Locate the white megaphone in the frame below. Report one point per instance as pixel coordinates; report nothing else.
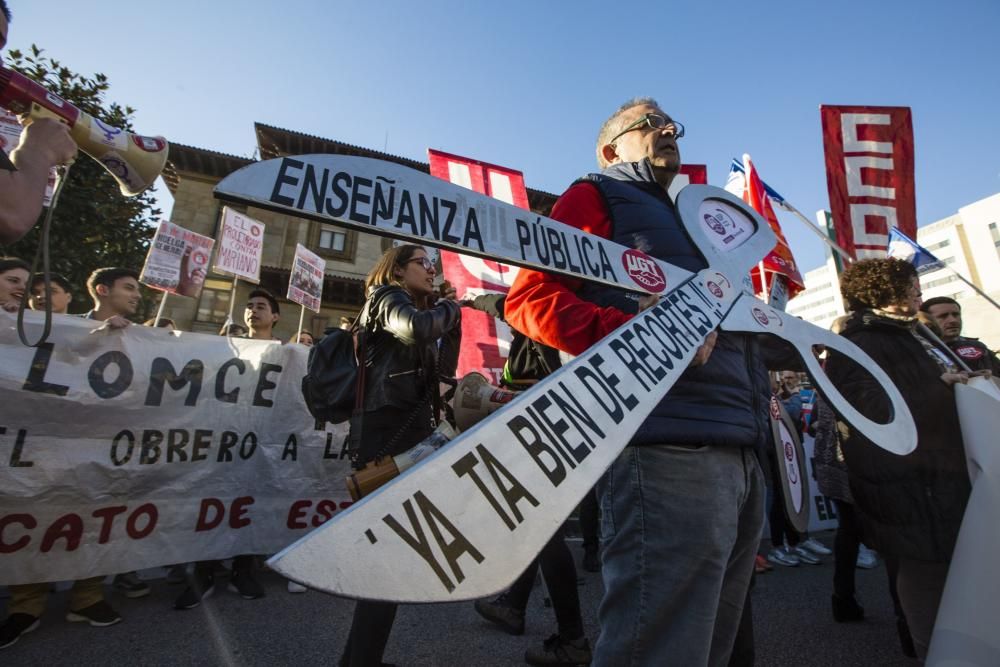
(475, 398)
(134, 161)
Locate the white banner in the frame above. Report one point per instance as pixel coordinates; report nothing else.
(135, 448)
(241, 245)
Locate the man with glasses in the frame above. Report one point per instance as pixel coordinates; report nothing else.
(683, 504)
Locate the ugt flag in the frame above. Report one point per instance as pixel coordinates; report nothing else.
(903, 247)
(744, 182)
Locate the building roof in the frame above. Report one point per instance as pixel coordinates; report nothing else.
(201, 161)
(275, 142)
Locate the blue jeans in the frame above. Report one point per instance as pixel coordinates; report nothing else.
(679, 529)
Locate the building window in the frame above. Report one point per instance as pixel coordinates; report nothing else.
(941, 281)
(214, 303)
(331, 240)
(939, 244)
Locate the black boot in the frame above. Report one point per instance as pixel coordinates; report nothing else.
(905, 640)
(846, 610)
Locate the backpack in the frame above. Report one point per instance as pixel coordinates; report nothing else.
(330, 383)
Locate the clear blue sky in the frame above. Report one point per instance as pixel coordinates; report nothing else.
(527, 84)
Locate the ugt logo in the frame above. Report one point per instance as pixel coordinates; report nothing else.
(644, 271)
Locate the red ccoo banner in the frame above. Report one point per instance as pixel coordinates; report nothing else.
(869, 174)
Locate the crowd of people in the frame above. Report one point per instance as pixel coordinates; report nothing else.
(680, 514)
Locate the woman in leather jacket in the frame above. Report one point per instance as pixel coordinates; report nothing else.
(910, 507)
(402, 326)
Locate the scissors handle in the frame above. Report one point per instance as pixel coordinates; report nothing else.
(751, 315)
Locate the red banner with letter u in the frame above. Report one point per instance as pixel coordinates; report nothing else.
(869, 174)
(488, 339)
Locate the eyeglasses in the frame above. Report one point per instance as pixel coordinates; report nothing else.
(424, 262)
(656, 122)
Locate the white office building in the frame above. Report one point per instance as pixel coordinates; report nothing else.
(967, 242)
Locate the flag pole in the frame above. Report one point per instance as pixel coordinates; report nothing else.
(763, 282)
(816, 230)
(159, 311)
(976, 289)
(926, 332)
(232, 305)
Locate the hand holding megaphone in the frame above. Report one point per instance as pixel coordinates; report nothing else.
(47, 141)
(134, 161)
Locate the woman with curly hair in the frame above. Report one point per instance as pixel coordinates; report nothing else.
(910, 507)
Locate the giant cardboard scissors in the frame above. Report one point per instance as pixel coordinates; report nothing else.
(466, 522)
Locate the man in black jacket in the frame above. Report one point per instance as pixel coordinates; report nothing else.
(948, 314)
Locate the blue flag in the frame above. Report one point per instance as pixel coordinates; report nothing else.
(903, 247)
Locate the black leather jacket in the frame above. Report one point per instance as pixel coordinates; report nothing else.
(401, 348)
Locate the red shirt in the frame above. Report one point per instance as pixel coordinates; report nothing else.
(544, 306)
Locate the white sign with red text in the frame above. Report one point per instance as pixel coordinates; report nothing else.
(241, 246)
(134, 448)
(305, 285)
(177, 261)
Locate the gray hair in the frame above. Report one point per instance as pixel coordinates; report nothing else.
(614, 124)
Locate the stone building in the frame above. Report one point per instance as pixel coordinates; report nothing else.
(192, 173)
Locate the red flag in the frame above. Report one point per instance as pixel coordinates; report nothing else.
(779, 260)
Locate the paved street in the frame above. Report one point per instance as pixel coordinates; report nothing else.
(791, 615)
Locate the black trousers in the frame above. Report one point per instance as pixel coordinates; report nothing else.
(369, 634)
(845, 549)
(559, 570)
(590, 518)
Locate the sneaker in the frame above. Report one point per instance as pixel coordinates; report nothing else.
(806, 556)
(177, 575)
(761, 565)
(782, 556)
(866, 558)
(243, 584)
(815, 546)
(499, 612)
(591, 561)
(15, 626)
(296, 587)
(99, 615)
(131, 586)
(200, 589)
(558, 651)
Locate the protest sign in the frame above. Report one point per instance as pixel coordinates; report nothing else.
(177, 261)
(139, 447)
(305, 286)
(791, 466)
(391, 200)
(241, 245)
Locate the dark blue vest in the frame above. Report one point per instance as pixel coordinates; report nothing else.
(723, 402)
